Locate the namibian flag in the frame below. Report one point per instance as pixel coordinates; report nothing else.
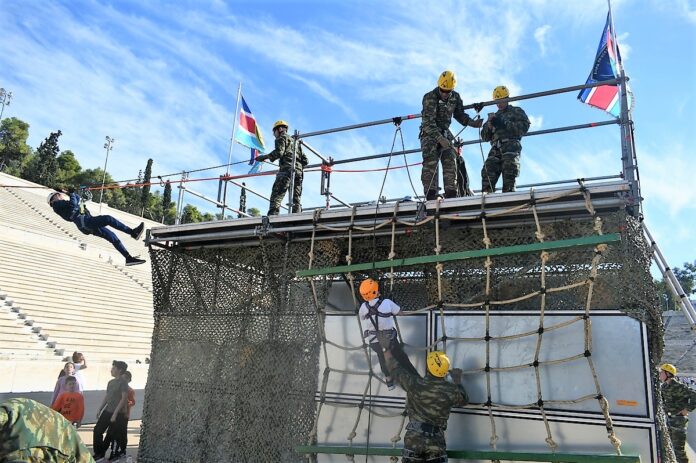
(248, 132)
(605, 97)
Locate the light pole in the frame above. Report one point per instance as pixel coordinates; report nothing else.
(108, 146)
(5, 98)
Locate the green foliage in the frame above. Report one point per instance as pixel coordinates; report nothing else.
(254, 212)
(14, 151)
(145, 190)
(687, 279)
(68, 169)
(43, 167)
(93, 177)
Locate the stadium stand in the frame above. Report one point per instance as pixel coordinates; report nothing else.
(62, 291)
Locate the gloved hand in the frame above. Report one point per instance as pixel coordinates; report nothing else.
(456, 374)
(476, 123)
(444, 143)
(478, 107)
(263, 157)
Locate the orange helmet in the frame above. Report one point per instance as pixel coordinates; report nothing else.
(369, 289)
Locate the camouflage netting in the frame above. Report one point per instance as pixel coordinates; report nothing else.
(236, 345)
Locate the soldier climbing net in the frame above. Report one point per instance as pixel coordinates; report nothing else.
(240, 329)
(486, 302)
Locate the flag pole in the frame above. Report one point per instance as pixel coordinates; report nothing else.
(628, 149)
(223, 200)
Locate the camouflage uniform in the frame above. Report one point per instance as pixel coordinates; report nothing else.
(510, 124)
(31, 432)
(429, 402)
(283, 151)
(677, 397)
(437, 116)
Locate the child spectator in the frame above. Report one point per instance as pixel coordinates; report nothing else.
(376, 317)
(70, 404)
(120, 436)
(80, 365)
(68, 370)
(111, 414)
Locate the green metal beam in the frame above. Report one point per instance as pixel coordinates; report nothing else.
(462, 255)
(477, 454)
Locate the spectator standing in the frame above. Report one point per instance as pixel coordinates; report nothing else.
(68, 370)
(109, 416)
(70, 404)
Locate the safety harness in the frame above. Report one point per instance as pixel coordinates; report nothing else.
(374, 315)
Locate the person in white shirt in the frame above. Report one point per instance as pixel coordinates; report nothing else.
(377, 316)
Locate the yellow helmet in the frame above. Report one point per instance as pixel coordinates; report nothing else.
(369, 289)
(280, 123)
(501, 91)
(438, 363)
(447, 81)
(669, 368)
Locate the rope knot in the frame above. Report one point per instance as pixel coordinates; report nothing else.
(545, 256)
(601, 248)
(437, 249)
(392, 255)
(487, 241)
(539, 235)
(439, 267)
(349, 259)
(488, 263)
(552, 444)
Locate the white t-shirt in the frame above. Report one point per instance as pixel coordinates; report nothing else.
(387, 307)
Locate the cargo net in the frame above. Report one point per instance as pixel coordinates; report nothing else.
(238, 336)
(582, 278)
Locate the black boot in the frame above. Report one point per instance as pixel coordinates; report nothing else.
(431, 195)
(130, 260)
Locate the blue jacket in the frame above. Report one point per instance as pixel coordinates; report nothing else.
(70, 211)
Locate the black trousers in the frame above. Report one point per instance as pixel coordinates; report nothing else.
(117, 431)
(397, 351)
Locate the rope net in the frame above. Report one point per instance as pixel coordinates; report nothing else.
(238, 337)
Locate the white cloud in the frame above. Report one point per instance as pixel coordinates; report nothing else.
(322, 91)
(624, 46)
(537, 122)
(541, 36)
(664, 183)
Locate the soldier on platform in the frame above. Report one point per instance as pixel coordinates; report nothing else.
(504, 129)
(284, 150)
(439, 106)
(429, 402)
(678, 399)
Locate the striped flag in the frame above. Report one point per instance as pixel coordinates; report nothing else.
(248, 132)
(607, 61)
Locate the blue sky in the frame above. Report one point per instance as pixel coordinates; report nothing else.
(161, 78)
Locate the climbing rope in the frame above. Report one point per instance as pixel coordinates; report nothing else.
(486, 304)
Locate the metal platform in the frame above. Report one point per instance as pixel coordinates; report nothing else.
(552, 204)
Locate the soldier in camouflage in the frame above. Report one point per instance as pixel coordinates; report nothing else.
(284, 150)
(429, 402)
(504, 129)
(678, 399)
(439, 106)
(32, 432)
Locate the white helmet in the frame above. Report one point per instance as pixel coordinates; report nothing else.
(51, 195)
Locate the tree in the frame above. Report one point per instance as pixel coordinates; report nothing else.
(687, 279)
(114, 197)
(133, 196)
(14, 150)
(145, 191)
(68, 169)
(191, 214)
(43, 167)
(254, 212)
(166, 199)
